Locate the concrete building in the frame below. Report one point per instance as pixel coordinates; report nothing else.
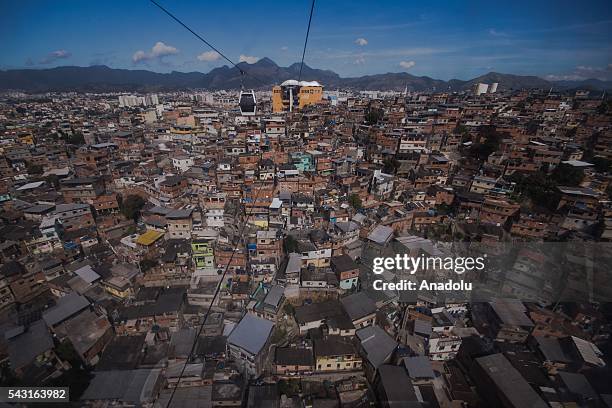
(480, 88)
(501, 385)
(248, 343)
(292, 94)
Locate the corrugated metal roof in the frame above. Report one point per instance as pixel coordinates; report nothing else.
(419, 367)
(381, 234)
(251, 333)
(589, 351)
(87, 274)
(274, 296)
(66, 307)
(135, 386)
(377, 344)
(32, 342)
(149, 237)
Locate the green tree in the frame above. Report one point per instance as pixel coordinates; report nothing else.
(290, 387)
(602, 165)
(78, 376)
(131, 206)
(539, 188)
(34, 169)
(605, 107)
(53, 180)
(390, 165)
(75, 139)
(443, 209)
(147, 264)
(567, 175)
(532, 127)
(291, 244)
(278, 335)
(491, 140)
(355, 201)
(373, 116)
(463, 131)
(460, 130)
(289, 309)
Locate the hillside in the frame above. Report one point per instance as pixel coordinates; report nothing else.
(263, 74)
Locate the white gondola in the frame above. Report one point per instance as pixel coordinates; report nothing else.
(247, 103)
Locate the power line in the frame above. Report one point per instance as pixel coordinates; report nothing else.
(218, 289)
(302, 64)
(306, 39)
(172, 16)
(195, 341)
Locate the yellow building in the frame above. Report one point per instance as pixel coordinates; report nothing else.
(26, 139)
(292, 94)
(338, 363)
(118, 286)
(336, 353)
(149, 238)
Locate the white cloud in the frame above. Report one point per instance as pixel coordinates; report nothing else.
(570, 77)
(384, 53)
(60, 54)
(139, 56)
(582, 72)
(248, 59)
(284, 48)
(360, 60)
(361, 42)
(493, 32)
(54, 56)
(209, 56)
(161, 50)
(407, 64)
(158, 51)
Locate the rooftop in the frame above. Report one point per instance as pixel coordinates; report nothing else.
(251, 333)
(149, 237)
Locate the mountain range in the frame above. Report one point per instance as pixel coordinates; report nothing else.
(260, 75)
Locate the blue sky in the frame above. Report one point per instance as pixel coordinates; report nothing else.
(442, 39)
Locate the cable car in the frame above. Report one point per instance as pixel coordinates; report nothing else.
(247, 103)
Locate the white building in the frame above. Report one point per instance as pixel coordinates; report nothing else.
(131, 100)
(151, 100)
(480, 88)
(443, 348)
(182, 163)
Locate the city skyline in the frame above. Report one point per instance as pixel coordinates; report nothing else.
(447, 40)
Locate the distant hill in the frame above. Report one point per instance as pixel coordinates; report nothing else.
(589, 84)
(263, 74)
(508, 81)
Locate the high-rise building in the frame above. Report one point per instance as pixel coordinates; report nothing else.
(480, 88)
(493, 87)
(292, 94)
(151, 100)
(130, 100)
